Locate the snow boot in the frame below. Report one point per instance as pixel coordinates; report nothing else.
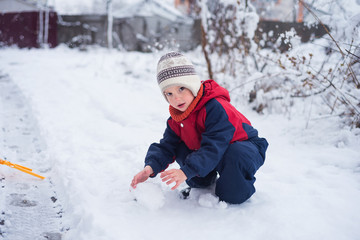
(184, 194)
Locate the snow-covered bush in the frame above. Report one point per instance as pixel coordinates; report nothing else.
(321, 76)
(228, 31)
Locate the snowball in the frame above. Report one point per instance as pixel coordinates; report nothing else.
(149, 195)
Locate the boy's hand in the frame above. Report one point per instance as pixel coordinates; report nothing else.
(173, 175)
(142, 176)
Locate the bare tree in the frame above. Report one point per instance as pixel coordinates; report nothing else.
(227, 32)
(109, 8)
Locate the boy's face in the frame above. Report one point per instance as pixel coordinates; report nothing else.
(179, 97)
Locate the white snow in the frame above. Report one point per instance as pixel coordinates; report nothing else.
(29, 207)
(149, 195)
(211, 201)
(98, 111)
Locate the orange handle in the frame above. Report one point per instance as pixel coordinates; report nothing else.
(21, 168)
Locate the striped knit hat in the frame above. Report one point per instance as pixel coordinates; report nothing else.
(174, 69)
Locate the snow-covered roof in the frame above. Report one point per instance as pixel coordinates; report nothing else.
(17, 6)
(7, 6)
(149, 8)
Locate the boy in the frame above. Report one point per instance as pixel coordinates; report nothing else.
(205, 134)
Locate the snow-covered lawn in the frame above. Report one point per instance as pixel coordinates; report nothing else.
(99, 110)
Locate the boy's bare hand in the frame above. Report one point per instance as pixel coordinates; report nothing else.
(142, 176)
(173, 175)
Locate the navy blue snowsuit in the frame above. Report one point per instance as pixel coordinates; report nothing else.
(213, 138)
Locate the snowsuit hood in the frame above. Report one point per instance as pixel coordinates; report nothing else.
(212, 90)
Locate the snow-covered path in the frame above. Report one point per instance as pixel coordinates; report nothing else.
(29, 206)
(97, 113)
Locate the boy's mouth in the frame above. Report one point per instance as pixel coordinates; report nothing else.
(181, 105)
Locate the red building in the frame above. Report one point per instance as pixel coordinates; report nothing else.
(25, 24)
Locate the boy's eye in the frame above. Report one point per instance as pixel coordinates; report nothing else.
(181, 89)
(168, 94)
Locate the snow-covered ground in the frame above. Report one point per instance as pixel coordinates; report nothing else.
(98, 111)
(29, 207)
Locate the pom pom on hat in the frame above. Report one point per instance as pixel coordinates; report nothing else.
(174, 69)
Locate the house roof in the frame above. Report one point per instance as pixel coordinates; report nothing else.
(149, 8)
(17, 6)
(7, 6)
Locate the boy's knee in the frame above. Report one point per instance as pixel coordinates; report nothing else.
(237, 170)
(234, 192)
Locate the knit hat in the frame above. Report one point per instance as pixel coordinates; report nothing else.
(174, 69)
